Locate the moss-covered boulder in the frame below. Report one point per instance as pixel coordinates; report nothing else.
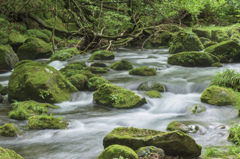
(37, 33)
(227, 49)
(3, 90)
(204, 40)
(63, 55)
(98, 64)
(143, 71)
(193, 59)
(150, 85)
(153, 94)
(9, 154)
(117, 97)
(16, 40)
(74, 66)
(202, 33)
(174, 143)
(121, 65)
(219, 36)
(34, 81)
(79, 81)
(8, 58)
(208, 44)
(95, 69)
(60, 27)
(197, 108)
(9, 130)
(23, 110)
(102, 55)
(70, 72)
(149, 150)
(34, 48)
(46, 122)
(165, 38)
(115, 151)
(176, 125)
(216, 95)
(183, 41)
(95, 82)
(83, 63)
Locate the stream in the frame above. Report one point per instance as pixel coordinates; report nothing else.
(89, 122)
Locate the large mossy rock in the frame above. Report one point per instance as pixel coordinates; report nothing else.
(216, 95)
(115, 151)
(219, 36)
(79, 81)
(34, 48)
(183, 41)
(117, 97)
(23, 110)
(227, 49)
(9, 130)
(147, 86)
(174, 143)
(202, 33)
(63, 55)
(121, 65)
(193, 59)
(9, 154)
(102, 55)
(37, 33)
(16, 40)
(95, 82)
(143, 71)
(46, 122)
(8, 58)
(34, 81)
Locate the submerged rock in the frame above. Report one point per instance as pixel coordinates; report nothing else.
(193, 59)
(143, 71)
(34, 48)
(102, 55)
(9, 130)
(228, 49)
(95, 82)
(216, 95)
(23, 110)
(34, 81)
(8, 58)
(117, 97)
(173, 143)
(115, 151)
(176, 125)
(197, 109)
(150, 85)
(46, 122)
(9, 154)
(183, 41)
(121, 65)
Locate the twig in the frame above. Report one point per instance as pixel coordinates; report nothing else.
(79, 41)
(109, 45)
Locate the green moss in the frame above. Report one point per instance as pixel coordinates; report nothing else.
(121, 65)
(216, 95)
(23, 110)
(117, 97)
(72, 27)
(74, 66)
(173, 143)
(202, 33)
(176, 125)
(15, 38)
(148, 151)
(83, 63)
(59, 24)
(193, 59)
(33, 49)
(208, 44)
(197, 109)
(217, 64)
(9, 154)
(115, 151)
(36, 33)
(63, 55)
(153, 94)
(95, 69)
(8, 58)
(219, 36)
(204, 40)
(98, 64)
(143, 71)
(4, 90)
(102, 55)
(183, 41)
(34, 81)
(46, 122)
(9, 130)
(95, 82)
(147, 86)
(79, 81)
(228, 49)
(71, 72)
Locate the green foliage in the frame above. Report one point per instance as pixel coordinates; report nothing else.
(212, 152)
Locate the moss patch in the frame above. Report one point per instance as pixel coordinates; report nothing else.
(23, 110)
(147, 86)
(102, 55)
(219, 36)
(9, 130)
(79, 81)
(95, 69)
(46, 122)
(63, 55)
(153, 94)
(8, 58)
(117, 97)
(95, 82)
(121, 65)
(98, 64)
(143, 71)
(9, 154)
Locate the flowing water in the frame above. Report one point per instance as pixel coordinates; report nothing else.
(89, 122)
